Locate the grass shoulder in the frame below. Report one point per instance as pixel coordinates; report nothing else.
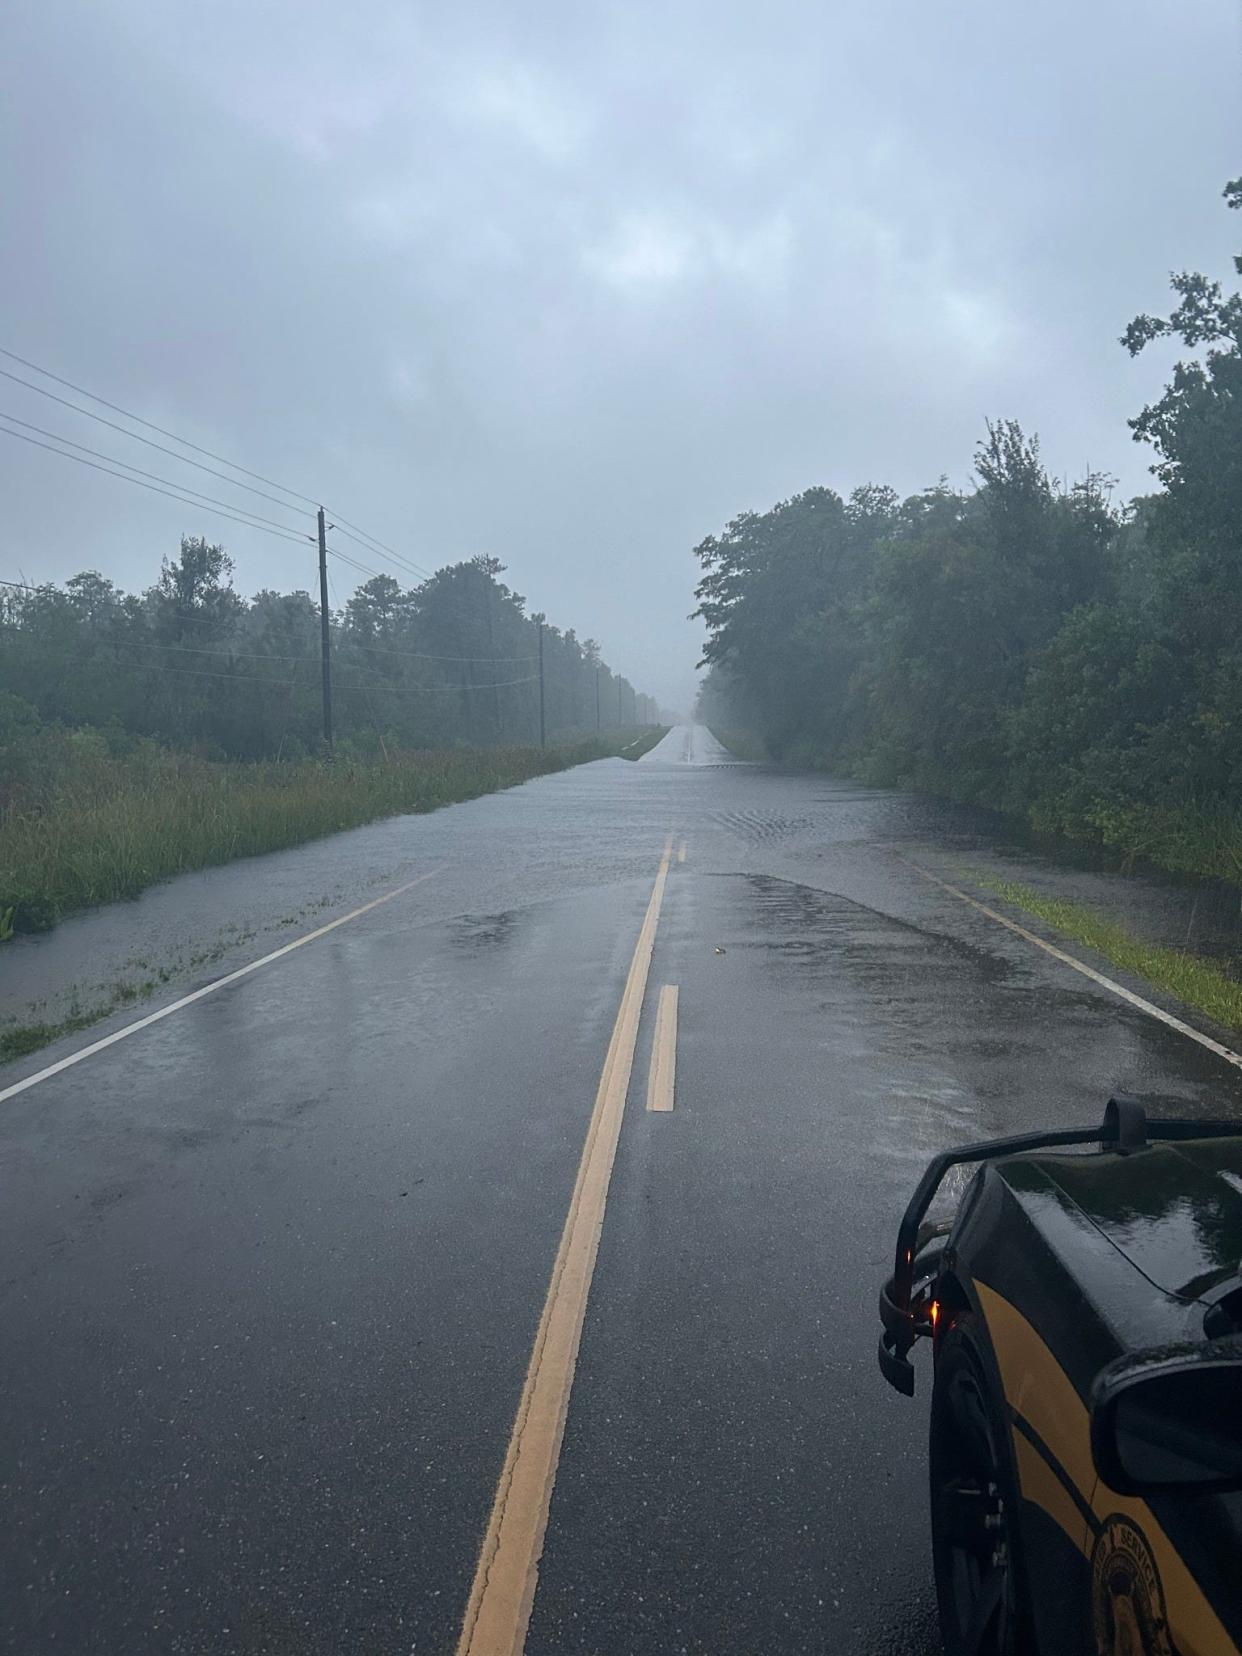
(642, 744)
(1193, 979)
(112, 826)
(116, 834)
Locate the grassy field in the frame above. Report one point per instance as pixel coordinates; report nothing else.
(112, 827)
(1197, 981)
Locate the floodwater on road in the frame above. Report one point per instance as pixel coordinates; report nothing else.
(188, 931)
(275, 1265)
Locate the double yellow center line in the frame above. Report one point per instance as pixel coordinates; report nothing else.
(498, 1610)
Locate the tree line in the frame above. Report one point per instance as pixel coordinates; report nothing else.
(191, 663)
(1034, 647)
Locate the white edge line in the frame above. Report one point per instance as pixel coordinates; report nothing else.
(1157, 1012)
(207, 989)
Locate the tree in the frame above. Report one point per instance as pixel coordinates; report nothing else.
(197, 588)
(191, 663)
(1196, 431)
(377, 609)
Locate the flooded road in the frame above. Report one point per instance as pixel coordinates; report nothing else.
(276, 1265)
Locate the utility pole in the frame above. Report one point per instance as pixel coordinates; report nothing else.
(497, 720)
(597, 696)
(543, 728)
(620, 718)
(325, 636)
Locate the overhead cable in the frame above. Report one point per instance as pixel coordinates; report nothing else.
(154, 476)
(376, 545)
(220, 511)
(344, 523)
(150, 425)
(138, 438)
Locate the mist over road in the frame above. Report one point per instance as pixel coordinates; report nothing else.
(275, 1266)
(688, 745)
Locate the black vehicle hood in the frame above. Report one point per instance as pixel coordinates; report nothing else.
(1174, 1210)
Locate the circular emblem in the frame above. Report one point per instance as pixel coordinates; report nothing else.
(1127, 1600)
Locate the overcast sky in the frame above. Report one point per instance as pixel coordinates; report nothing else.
(573, 283)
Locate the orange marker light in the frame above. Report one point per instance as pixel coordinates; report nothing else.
(935, 1313)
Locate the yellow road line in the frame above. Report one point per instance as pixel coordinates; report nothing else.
(661, 1077)
(209, 988)
(1128, 995)
(681, 852)
(507, 1573)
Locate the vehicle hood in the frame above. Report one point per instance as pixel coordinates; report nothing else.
(1174, 1210)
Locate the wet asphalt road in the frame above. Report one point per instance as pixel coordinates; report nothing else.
(272, 1267)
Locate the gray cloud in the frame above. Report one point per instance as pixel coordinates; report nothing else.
(575, 286)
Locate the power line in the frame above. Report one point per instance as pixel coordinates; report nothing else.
(154, 476)
(379, 551)
(283, 534)
(304, 683)
(344, 525)
(227, 651)
(138, 438)
(236, 621)
(345, 644)
(202, 672)
(150, 425)
(226, 654)
(353, 563)
(437, 689)
(421, 655)
(185, 442)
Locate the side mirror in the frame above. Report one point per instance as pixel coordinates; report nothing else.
(1170, 1420)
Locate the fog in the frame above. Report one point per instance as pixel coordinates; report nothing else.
(572, 285)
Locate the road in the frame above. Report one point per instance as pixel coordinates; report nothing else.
(300, 1281)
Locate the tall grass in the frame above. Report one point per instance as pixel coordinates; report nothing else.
(113, 826)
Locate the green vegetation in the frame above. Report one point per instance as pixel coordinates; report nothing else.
(120, 824)
(632, 750)
(98, 816)
(1191, 978)
(88, 1003)
(19, 1040)
(1024, 645)
(191, 664)
(740, 743)
(142, 736)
